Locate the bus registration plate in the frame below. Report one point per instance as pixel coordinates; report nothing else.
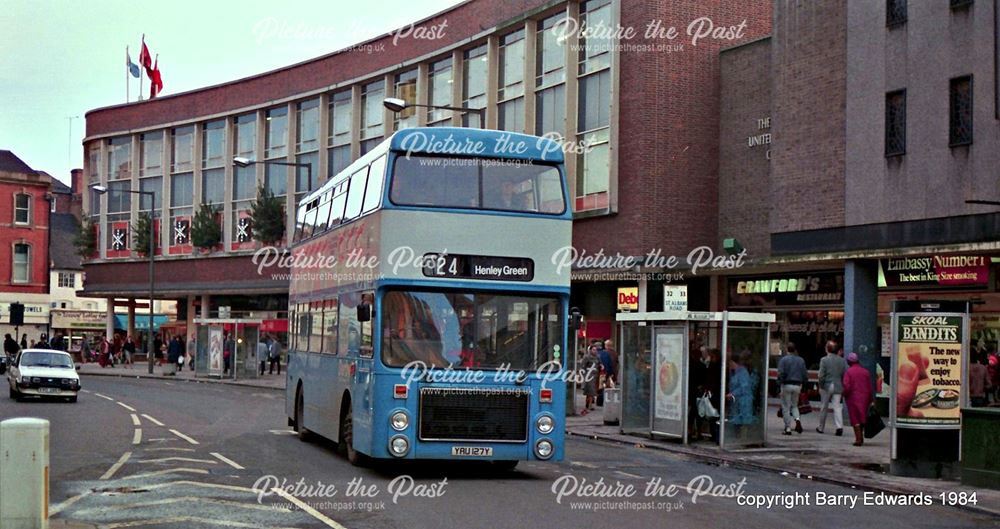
(472, 451)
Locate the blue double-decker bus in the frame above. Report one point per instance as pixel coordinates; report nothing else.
(428, 320)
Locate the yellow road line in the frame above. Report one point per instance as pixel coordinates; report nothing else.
(182, 436)
(227, 461)
(114, 468)
(305, 507)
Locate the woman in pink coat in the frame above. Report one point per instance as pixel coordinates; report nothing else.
(857, 396)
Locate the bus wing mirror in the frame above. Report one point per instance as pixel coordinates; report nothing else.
(364, 312)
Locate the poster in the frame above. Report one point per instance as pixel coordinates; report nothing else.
(928, 366)
(667, 384)
(215, 351)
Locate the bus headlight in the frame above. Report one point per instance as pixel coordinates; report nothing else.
(399, 446)
(545, 424)
(399, 421)
(543, 449)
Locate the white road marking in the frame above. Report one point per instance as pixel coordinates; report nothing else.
(627, 475)
(137, 436)
(161, 439)
(56, 509)
(104, 397)
(282, 432)
(169, 448)
(189, 483)
(135, 420)
(305, 507)
(187, 459)
(182, 436)
(114, 468)
(85, 390)
(582, 464)
(186, 499)
(190, 519)
(227, 461)
(126, 406)
(167, 471)
(152, 420)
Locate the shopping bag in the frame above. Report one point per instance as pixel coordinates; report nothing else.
(805, 407)
(705, 407)
(873, 423)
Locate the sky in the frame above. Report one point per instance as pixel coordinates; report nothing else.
(62, 58)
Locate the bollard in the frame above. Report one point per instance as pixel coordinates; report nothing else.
(24, 473)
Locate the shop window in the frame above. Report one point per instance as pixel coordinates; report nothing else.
(895, 123)
(960, 111)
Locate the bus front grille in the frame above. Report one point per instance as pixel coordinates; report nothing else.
(474, 414)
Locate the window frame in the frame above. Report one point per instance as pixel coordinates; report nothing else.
(953, 118)
(889, 125)
(27, 209)
(14, 264)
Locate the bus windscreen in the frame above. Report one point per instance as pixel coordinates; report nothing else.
(477, 183)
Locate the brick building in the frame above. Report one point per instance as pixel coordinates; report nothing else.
(646, 106)
(879, 141)
(24, 232)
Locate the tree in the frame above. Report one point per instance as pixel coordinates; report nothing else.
(268, 217)
(205, 231)
(140, 234)
(86, 239)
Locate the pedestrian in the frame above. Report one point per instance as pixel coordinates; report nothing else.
(831, 387)
(591, 365)
(24, 341)
(263, 353)
(158, 349)
(57, 342)
(43, 342)
(228, 347)
(741, 413)
(614, 358)
(857, 395)
(696, 389)
(993, 368)
(174, 350)
(192, 348)
(104, 351)
(791, 376)
(84, 349)
(128, 350)
(979, 381)
(10, 346)
(274, 354)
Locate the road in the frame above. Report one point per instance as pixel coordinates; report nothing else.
(203, 452)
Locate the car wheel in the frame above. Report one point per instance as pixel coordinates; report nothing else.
(300, 428)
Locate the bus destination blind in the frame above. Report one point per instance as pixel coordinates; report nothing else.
(483, 267)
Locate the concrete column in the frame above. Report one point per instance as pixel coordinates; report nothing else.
(109, 322)
(204, 306)
(190, 319)
(861, 312)
(131, 318)
(643, 291)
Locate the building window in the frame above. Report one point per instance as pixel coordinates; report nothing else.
(439, 82)
(550, 78)
(339, 153)
(955, 4)
(119, 158)
(213, 189)
(305, 180)
(181, 190)
(52, 204)
(151, 153)
(372, 114)
(154, 184)
(183, 153)
(245, 146)
(213, 145)
(474, 71)
(895, 123)
(67, 280)
(94, 164)
(276, 133)
(406, 89)
(21, 272)
(22, 208)
(895, 12)
(119, 197)
(510, 92)
(960, 111)
(593, 169)
(307, 126)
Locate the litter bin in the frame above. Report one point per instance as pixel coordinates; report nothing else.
(612, 405)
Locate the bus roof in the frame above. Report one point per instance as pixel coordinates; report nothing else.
(458, 141)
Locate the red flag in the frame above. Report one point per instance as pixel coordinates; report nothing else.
(145, 60)
(155, 82)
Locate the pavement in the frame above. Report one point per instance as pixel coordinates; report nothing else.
(187, 375)
(823, 458)
(810, 455)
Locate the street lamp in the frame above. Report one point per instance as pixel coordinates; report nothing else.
(398, 105)
(240, 161)
(101, 190)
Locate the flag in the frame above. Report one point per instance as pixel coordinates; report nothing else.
(133, 68)
(155, 83)
(144, 59)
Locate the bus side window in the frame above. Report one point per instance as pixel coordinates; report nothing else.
(330, 327)
(316, 340)
(376, 179)
(356, 194)
(337, 206)
(292, 329)
(303, 327)
(367, 327)
(350, 332)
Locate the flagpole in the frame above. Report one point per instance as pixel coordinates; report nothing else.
(127, 73)
(140, 81)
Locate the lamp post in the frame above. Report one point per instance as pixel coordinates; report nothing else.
(101, 190)
(398, 105)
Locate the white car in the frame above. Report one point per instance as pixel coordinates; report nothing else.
(43, 372)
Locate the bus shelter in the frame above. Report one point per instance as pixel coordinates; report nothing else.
(242, 336)
(657, 352)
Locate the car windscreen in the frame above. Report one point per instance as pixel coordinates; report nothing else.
(42, 359)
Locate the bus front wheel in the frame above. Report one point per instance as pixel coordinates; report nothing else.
(346, 445)
(300, 425)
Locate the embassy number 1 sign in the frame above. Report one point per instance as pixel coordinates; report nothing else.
(928, 360)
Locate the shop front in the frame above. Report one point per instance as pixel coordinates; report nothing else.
(808, 309)
(36, 315)
(75, 324)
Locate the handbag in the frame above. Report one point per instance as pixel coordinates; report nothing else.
(705, 407)
(805, 407)
(873, 423)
